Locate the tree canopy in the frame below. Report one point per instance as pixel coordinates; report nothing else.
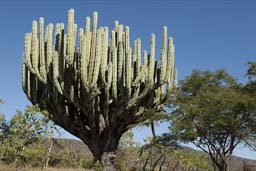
(214, 112)
(23, 130)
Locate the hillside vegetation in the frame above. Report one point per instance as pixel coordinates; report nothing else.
(74, 155)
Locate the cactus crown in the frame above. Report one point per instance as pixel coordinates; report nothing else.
(99, 73)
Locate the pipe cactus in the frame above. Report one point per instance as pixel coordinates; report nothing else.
(97, 89)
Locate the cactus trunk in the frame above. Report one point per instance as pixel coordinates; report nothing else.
(100, 88)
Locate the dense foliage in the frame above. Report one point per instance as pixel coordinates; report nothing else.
(215, 113)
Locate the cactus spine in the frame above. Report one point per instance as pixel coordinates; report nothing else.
(97, 89)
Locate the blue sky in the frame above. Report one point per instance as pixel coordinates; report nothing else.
(207, 35)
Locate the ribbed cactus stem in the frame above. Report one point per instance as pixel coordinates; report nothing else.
(139, 72)
(74, 35)
(57, 35)
(56, 71)
(128, 72)
(26, 78)
(97, 57)
(34, 47)
(81, 40)
(114, 76)
(156, 73)
(164, 38)
(170, 64)
(85, 57)
(93, 45)
(145, 58)
(84, 61)
(134, 55)
(41, 48)
(175, 82)
(113, 39)
(58, 44)
(49, 47)
(145, 65)
(24, 72)
(27, 51)
(127, 39)
(151, 65)
(70, 35)
(163, 56)
(120, 61)
(110, 73)
(104, 54)
(87, 37)
(120, 33)
(138, 54)
(116, 23)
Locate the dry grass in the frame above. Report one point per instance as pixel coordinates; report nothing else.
(4, 167)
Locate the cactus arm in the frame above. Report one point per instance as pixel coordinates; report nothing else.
(85, 52)
(24, 74)
(163, 56)
(49, 47)
(145, 65)
(41, 49)
(56, 72)
(170, 65)
(151, 65)
(88, 37)
(163, 61)
(128, 72)
(109, 79)
(120, 62)
(70, 36)
(34, 51)
(175, 83)
(114, 76)
(113, 39)
(74, 41)
(104, 54)
(34, 47)
(97, 57)
(93, 46)
(127, 39)
(81, 42)
(119, 33)
(27, 52)
(138, 54)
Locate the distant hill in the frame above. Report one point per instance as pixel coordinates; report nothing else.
(72, 145)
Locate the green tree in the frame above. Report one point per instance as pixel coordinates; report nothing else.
(127, 141)
(215, 113)
(191, 159)
(251, 72)
(4, 131)
(251, 88)
(20, 132)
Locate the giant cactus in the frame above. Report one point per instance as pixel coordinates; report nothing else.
(94, 88)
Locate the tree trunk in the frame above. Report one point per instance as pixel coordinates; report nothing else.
(224, 163)
(103, 148)
(109, 161)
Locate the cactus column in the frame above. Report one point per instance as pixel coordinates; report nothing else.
(95, 87)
